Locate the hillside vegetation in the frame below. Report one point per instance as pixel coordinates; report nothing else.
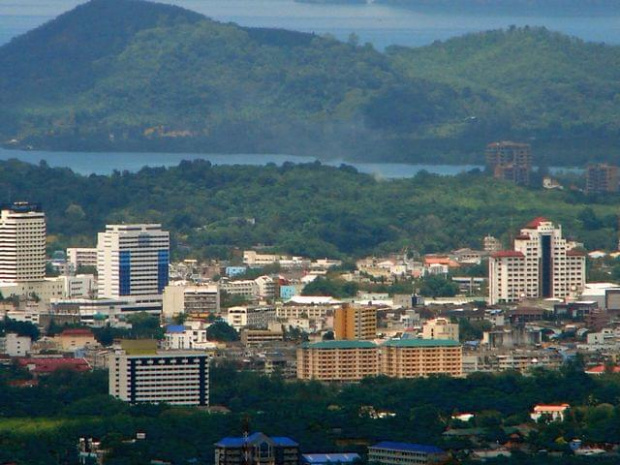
(132, 75)
(310, 209)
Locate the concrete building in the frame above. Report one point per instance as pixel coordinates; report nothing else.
(256, 449)
(412, 358)
(195, 301)
(355, 322)
(253, 259)
(491, 244)
(14, 345)
(440, 328)
(266, 287)
(133, 260)
(337, 360)
(73, 339)
(22, 243)
(510, 161)
(601, 178)
(81, 257)
(140, 373)
(245, 288)
(79, 286)
(400, 453)
(254, 337)
(540, 266)
(180, 337)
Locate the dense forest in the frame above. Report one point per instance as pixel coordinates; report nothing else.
(123, 75)
(306, 209)
(41, 424)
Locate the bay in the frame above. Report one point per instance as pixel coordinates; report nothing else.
(378, 24)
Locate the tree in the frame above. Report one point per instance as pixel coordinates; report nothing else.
(438, 286)
(221, 331)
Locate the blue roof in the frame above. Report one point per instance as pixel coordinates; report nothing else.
(175, 329)
(330, 458)
(407, 446)
(239, 441)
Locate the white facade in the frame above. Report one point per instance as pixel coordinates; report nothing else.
(246, 288)
(80, 286)
(82, 256)
(14, 345)
(237, 317)
(177, 378)
(132, 260)
(185, 338)
(22, 243)
(540, 266)
(440, 328)
(266, 287)
(44, 290)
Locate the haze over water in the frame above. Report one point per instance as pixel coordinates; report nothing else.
(373, 23)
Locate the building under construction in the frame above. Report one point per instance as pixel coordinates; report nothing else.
(510, 161)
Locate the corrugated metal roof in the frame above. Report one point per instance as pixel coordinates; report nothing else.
(406, 446)
(330, 458)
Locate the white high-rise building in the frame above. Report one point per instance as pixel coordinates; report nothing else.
(22, 243)
(132, 260)
(540, 266)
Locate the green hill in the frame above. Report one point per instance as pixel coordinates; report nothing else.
(133, 75)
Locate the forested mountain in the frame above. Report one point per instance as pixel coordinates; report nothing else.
(132, 75)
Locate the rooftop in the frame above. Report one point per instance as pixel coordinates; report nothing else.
(508, 253)
(536, 222)
(421, 343)
(340, 345)
(256, 437)
(330, 458)
(406, 446)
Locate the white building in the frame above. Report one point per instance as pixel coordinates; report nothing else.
(197, 301)
(14, 345)
(81, 257)
(245, 288)
(440, 328)
(255, 260)
(266, 287)
(180, 337)
(237, 317)
(177, 378)
(22, 243)
(540, 266)
(132, 260)
(79, 286)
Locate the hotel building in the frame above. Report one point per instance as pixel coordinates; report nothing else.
(355, 322)
(140, 373)
(133, 260)
(337, 360)
(412, 358)
(540, 266)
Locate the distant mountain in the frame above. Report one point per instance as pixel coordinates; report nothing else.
(554, 7)
(132, 75)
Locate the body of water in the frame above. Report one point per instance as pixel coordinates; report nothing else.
(87, 163)
(378, 24)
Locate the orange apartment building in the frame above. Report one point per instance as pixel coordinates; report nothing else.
(355, 322)
(348, 361)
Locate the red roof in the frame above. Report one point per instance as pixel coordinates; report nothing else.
(77, 332)
(600, 369)
(508, 253)
(523, 237)
(49, 365)
(575, 253)
(536, 222)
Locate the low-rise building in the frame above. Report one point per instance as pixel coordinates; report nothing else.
(15, 345)
(195, 301)
(72, 339)
(440, 328)
(251, 337)
(401, 453)
(550, 412)
(258, 449)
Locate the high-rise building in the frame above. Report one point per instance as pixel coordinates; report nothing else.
(510, 161)
(540, 266)
(140, 373)
(355, 322)
(22, 243)
(601, 178)
(132, 260)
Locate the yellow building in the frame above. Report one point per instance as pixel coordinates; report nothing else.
(412, 358)
(355, 323)
(337, 360)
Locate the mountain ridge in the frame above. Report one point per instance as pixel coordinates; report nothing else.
(132, 75)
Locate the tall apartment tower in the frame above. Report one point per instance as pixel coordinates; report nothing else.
(601, 178)
(355, 322)
(510, 161)
(540, 266)
(132, 260)
(22, 242)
